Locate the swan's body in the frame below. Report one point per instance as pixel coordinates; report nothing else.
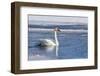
(49, 42)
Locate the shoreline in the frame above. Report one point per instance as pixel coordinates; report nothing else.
(62, 30)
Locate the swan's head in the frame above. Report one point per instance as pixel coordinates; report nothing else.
(57, 29)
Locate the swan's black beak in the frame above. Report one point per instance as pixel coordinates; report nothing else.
(57, 29)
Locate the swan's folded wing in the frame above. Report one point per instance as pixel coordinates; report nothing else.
(47, 42)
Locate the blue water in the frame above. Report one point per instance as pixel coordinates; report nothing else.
(72, 45)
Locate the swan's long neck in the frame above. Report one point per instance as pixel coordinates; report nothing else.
(56, 39)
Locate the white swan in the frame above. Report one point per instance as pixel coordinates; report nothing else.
(49, 42)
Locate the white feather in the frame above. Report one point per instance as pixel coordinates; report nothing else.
(50, 42)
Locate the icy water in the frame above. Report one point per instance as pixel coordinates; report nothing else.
(72, 45)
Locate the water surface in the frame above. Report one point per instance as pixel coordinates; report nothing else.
(72, 45)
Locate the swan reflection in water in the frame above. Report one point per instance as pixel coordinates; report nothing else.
(44, 53)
